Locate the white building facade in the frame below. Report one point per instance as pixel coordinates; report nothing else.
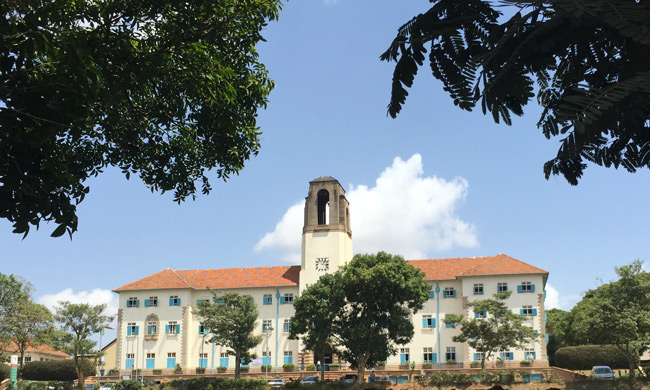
(159, 327)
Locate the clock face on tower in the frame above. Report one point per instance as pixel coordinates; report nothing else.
(322, 264)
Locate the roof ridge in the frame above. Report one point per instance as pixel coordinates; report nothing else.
(213, 269)
(483, 260)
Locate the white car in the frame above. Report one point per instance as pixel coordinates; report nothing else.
(277, 382)
(108, 386)
(602, 372)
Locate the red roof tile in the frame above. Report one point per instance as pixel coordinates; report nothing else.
(285, 276)
(44, 349)
(222, 278)
(446, 269)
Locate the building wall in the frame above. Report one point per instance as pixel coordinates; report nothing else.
(438, 308)
(188, 344)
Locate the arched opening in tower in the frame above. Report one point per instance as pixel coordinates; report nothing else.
(323, 206)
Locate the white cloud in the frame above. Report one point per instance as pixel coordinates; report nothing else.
(94, 297)
(555, 301)
(404, 213)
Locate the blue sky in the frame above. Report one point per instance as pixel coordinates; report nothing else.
(435, 182)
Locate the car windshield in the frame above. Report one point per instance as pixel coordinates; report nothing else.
(603, 370)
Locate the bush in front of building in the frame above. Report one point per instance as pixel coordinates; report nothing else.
(584, 357)
(129, 384)
(215, 384)
(56, 370)
(4, 371)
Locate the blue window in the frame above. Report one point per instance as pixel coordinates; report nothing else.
(152, 328)
(404, 356)
(449, 292)
(223, 360)
(428, 322)
(203, 360)
(266, 325)
(529, 354)
(174, 301)
(507, 356)
(528, 311)
(502, 287)
(288, 357)
(286, 327)
(151, 302)
(129, 363)
(526, 287)
(428, 356)
(478, 356)
(267, 299)
(171, 360)
(450, 324)
(478, 288)
(151, 360)
(480, 314)
(132, 302)
(198, 301)
(287, 299)
(202, 330)
(131, 329)
(432, 294)
(172, 328)
(266, 360)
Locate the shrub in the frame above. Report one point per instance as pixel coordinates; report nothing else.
(4, 371)
(56, 370)
(525, 363)
(426, 366)
(311, 367)
(583, 357)
(217, 384)
(289, 367)
(222, 369)
(264, 367)
(128, 385)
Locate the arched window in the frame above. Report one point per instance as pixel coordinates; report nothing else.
(323, 199)
(152, 324)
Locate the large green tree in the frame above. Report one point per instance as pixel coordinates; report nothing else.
(588, 61)
(29, 326)
(370, 300)
(618, 313)
(163, 89)
(496, 328)
(315, 312)
(557, 328)
(231, 320)
(79, 321)
(14, 292)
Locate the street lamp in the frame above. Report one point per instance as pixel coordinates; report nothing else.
(269, 329)
(99, 360)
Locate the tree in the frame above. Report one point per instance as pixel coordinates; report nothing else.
(13, 293)
(588, 60)
(29, 326)
(618, 313)
(557, 328)
(370, 300)
(231, 319)
(315, 312)
(163, 89)
(497, 329)
(79, 321)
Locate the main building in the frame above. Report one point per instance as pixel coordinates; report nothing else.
(159, 327)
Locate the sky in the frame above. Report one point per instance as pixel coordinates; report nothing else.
(435, 182)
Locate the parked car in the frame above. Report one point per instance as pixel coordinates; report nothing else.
(602, 372)
(383, 379)
(349, 378)
(310, 380)
(276, 382)
(108, 386)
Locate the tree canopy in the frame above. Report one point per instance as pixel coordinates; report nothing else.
(588, 61)
(79, 321)
(231, 320)
(617, 313)
(14, 292)
(162, 89)
(369, 302)
(496, 329)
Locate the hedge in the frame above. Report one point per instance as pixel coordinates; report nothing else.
(584, 357)
(215, 384)
(56, 370)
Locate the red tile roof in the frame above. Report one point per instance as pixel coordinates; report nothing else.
(287, 276)
(222, 278)
(43, 349)
(446, 269)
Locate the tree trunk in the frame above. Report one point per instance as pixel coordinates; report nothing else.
(361, 369)
(632, 364)
(81, 380)
(237, 365)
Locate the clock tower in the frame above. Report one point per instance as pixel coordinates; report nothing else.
(326, 233)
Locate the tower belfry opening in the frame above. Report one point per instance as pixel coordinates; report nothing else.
(323, 199)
